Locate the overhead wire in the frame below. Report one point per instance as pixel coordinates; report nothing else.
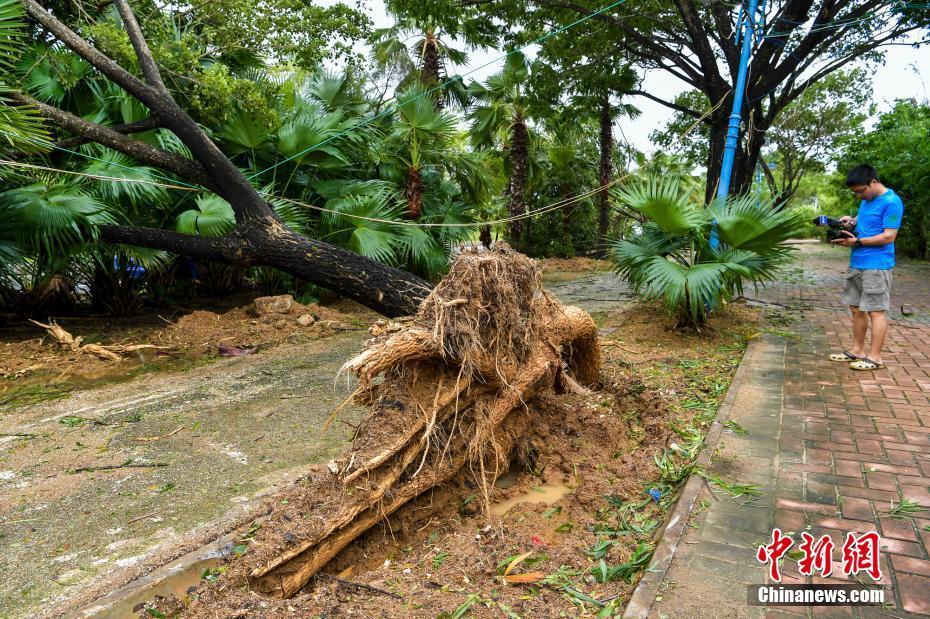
(558, 205)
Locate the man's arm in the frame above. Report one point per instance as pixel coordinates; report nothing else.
(886, 237)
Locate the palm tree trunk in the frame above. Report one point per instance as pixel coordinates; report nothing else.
(606, 172)
(430, 67)
(519, 154)
(413, 191)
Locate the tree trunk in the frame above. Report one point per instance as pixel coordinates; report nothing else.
(413, 191)
(718, 138)
(259, 237)
(519, 155)
(606, 172)
(268, 243)
(431, 66)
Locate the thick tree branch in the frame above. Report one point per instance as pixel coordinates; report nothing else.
(222, 248)
(227, 181)
(92, 132)
(700, 44)
(88, 52)
(669, 104)
(138, 126)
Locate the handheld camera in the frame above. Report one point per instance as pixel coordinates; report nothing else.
(835, 230)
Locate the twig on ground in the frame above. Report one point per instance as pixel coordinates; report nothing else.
(138, 518)
(124, 465)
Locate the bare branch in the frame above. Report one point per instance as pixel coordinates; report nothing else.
(143, 53)
(669, 104)
(134, 127)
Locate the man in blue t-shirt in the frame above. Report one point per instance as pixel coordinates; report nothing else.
(867, 290)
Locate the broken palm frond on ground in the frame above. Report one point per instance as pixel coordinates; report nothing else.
(111, 352)
(448, 391)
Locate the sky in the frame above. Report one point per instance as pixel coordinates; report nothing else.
(906, 74)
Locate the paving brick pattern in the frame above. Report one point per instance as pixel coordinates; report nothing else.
(859, 442)
(832, 448)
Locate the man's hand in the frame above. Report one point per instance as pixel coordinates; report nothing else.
(848, 220)
(848, 241)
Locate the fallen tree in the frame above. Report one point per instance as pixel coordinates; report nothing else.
(259, 237)
(450, 393)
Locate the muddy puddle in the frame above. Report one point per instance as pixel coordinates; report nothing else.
(176, 579)
(548, 495)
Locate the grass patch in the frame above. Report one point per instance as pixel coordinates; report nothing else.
(905, 509)
(25, 395)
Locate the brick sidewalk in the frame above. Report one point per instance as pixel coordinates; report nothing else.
(833, 449)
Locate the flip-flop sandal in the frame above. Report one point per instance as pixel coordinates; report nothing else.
(845, 357)
(866, 364)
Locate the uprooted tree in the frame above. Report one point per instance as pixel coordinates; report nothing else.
(450, 392)
(259, 237)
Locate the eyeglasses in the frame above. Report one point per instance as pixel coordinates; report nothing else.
(860, 191)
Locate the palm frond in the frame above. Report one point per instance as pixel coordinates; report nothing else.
(664, 203)
(51, 218)
(744, 223)
(135, 190)
(213, 216)
(374, 239)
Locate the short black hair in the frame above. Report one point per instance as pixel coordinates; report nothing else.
(861, 175)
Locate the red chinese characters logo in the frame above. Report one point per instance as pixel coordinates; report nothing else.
(818, 555)
(771, 553)
(860, 554)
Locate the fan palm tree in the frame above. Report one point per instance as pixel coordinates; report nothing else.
(500, 121)
(424, 61)
(669, 258)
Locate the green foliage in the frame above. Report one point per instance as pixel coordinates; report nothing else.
(669, 258)
(898, 148)
(21, 128)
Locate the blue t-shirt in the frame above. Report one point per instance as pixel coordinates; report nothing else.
(885, 211)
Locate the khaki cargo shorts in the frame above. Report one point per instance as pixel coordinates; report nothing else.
(869, 289)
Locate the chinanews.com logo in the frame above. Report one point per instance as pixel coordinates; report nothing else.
(859, 555)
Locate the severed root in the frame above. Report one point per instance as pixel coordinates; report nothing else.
(457, 381)
(111, 352)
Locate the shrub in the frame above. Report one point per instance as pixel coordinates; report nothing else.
(669, 256)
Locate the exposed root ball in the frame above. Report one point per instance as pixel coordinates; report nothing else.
(482, 345)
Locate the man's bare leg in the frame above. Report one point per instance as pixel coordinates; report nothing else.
(860, 321)
(879, 329)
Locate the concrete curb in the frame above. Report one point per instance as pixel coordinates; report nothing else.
(648, 587)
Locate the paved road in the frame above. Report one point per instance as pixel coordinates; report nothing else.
(834, 450)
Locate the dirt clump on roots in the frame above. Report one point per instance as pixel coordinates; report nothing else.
(453, 392)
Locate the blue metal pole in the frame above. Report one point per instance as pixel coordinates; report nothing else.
(729, 150)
